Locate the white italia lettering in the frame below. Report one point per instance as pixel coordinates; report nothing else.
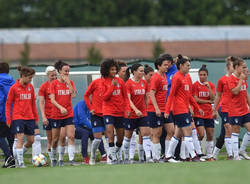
(139, 92)
(203, 94)
(25, 96)
(116, 92)
(63, 92)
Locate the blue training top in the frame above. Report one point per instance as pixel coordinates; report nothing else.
(170, 73)
(82, 115)
(6, 81)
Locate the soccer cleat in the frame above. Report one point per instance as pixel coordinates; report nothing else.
(22, 165)
(211, 159)
(103, 159)
(150, 160)
(171, 160)
(126, 161)
(85, 160)
(141, 161)
(132, 161)
(60, 163)
(230, 157)
(244, 155)
(237, 158)
(73, 163)
(92, 161)
(196, 159)
(9, 162)
(53, 163)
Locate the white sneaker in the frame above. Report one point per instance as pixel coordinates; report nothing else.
(150, 160)
(237, 158)
(171, 160)
(244, 155)
(92, 161)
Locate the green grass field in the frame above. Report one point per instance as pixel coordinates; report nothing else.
(228, 172)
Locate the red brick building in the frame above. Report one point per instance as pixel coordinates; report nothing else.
(126, 42)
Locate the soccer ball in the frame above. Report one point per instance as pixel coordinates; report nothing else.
(39, 160)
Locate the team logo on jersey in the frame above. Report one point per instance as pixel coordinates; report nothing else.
(187, 120)
(17, 128)
(159, 122)
(236, 120)
(186, 87)
(67, 85)
(29, 89)
(118, 85)
(225, 119)
(142, 85)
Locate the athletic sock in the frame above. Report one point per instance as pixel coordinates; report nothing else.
(172, 145)
(36, 146)
(147, 146)
(196, 142)
(229, 146)
(157, 151)
(61, 151)
(186, 151)
(132, 146)
(183, 150)
(95, 144)
(235, 140)
(166, 146)
(209, 147)
(216, 152)
(190, 146)
(112, 151)
(53, 154)
(71, 152)
(24, 149)
(14, 151)
(140, 152)
(126, 145)
(118, 150)
(19, 152)
(50, 153)
(245, 142)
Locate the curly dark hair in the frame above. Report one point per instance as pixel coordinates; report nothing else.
(59, 65)
(106, 65)
(161, 58)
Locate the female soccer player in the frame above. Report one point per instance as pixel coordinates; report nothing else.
(61, 91)
(179, 99)
(222, 99)
(204, 93)
(115, 99)
(21, 111)
(156, 105)
(137, 94)
(239, 105)
(95, 107)
(46, 106)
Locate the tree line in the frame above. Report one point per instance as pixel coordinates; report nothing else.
(96, 13)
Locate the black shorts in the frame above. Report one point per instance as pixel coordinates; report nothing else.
(118, 122)
(182, 120)
(156, 121)
(49, 126)
(24, 126)
(58, 123)
(131, 124)
(208, 123)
